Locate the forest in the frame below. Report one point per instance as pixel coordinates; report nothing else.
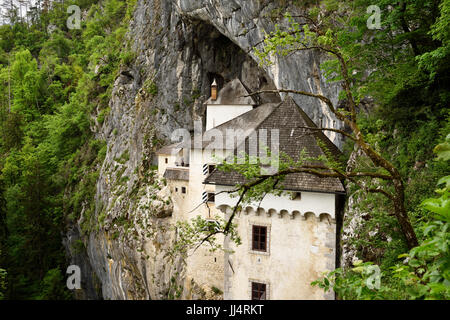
(55, 88)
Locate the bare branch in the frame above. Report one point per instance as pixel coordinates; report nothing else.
(305, 93)
(331, 129)
(372, 190)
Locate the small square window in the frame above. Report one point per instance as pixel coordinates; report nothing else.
(183, 189)
(258, 291)
(259, 238)
(296, 195)
(176, 189)
(211, 197)
(166, 160)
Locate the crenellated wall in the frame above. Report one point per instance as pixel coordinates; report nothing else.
(310, 202)
(298, 251)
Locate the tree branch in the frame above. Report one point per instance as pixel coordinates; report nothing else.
(304, 93)
(331, 129)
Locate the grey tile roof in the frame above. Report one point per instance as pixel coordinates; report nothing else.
(287, 117)
(177, 174)
(170, 149)
(233, 93)
(247, 123)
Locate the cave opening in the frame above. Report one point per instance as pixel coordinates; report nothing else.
(223, 60)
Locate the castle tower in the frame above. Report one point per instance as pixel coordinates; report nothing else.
(228, 103)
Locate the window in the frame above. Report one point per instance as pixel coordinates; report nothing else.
(296, 195)
(259, 238)
(258, 291)
(208, 168)
(176, 189)
(183, 189)
(208, 197)
(166, 160)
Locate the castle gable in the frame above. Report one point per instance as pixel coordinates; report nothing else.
(289, 119)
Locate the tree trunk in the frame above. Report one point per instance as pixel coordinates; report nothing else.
(398, 198)
(402, 215)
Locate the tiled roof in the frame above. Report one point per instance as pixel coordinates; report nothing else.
(170, 149)
(177, 174)
(247, 123)
(287, 117)
(233, 93)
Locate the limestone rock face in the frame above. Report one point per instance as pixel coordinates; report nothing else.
(180, 46)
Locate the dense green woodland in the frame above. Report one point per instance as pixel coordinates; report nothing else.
(51, 95)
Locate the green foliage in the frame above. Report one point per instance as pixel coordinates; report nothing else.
(358, 283)
(101, 116)
(51, 84)
(50, 287)
(437, 60)
(216, 290)
(425, 272)
(150, 87)
(78, 246)
(443, 150)
(124, 157)
(200, 231)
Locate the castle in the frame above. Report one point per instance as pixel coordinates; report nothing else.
(288, 240)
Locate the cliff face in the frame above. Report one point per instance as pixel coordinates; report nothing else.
(180, 46)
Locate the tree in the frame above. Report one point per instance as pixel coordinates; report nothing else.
(3, 275)
(375, 62)
(425, 271)
(319, 36)
(362, 61)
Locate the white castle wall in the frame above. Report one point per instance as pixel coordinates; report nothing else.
(310, 202)
(218, 114)
(301, 246)
(301, 243)
(298, 252)
(162, 165)
(204, 267)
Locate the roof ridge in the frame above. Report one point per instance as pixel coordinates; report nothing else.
(246, 113)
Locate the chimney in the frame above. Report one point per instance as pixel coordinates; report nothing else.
(214, 90)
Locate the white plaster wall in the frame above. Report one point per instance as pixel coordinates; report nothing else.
(298, 252)
(310, 202)
(162, 165)
(179, 199)
(204, 267)
(301, 245)
(218, 114)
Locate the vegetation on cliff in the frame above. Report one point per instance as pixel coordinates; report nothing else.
(55, 85)
(401, 68)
